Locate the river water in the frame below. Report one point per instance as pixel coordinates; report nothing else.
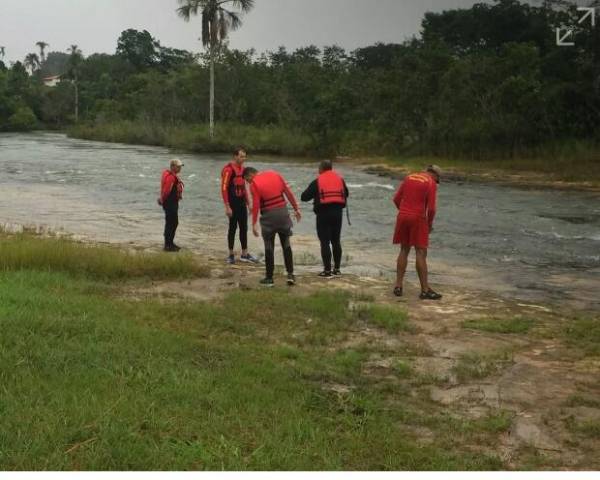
(535, 245)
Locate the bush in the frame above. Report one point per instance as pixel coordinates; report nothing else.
(23, 120)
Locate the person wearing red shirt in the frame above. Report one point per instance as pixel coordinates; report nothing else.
(235, 198)
(171, 193)
(416, 204)
(270, 196)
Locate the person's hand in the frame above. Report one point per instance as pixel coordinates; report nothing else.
(228, 211)
(430, 228)
(298, 215)
(255, 231)
(159, 201)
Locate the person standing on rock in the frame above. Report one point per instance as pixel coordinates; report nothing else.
(329, 194)
(270, 195)
(416, 203)
(235, 198)
(171, 193)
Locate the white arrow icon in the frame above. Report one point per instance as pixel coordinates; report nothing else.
(589, 12)
(560, 40)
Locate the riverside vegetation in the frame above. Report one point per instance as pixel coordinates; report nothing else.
(481, 88)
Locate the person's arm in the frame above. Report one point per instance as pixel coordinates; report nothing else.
(225, 180)
(431, 204)
(310, 193)
(292, 199)
(346, 191)
(255, 204)
(398, 196)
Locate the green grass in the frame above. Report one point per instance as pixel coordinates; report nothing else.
(582, 401)
(583, 334)
(51, 254)
(391, 319)
(94, 381)
(476, 366)
(500, 325)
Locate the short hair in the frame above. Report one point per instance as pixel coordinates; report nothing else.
(239, 150)
(249, 171)
(326, 165)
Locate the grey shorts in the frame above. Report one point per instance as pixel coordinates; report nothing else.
(276, 221)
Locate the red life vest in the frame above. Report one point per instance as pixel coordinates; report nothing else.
(270, 187)
(237, 185)
(331, 188)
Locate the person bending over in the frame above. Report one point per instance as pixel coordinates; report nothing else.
(270, 196)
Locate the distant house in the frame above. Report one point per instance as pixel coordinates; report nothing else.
(51, 81)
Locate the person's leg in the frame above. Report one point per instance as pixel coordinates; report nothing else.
(233, 222)
(336, 238)
(288, 255)
(171, 223)
(269, 239)
(422, 268)
(324, 234)
(243, 224)
(401, 265)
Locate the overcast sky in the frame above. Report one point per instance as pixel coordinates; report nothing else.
(95, 25)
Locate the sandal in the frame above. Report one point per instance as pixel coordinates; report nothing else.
(430, 295)
(398, 291)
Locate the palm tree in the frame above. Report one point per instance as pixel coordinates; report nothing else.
(73, 71)
(2, 53)
(32, 61)
(217, 22)
(42, 46)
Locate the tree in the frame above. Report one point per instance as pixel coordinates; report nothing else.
(32, 61)
(74, 66)
(2, 53)
(217, 22)
(138, 48)
(42, 46)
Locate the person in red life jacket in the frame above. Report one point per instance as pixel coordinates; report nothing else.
(270, 195)
(171, 193)
(416, 203)
(329, 193)
(235, 198)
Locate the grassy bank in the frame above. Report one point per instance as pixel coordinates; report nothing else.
(195, 138)
(92, 380)
(574, 161)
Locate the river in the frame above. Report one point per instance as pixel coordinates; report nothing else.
(534, 245)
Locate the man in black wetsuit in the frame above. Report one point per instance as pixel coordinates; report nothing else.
(171, 193)
(329, 193)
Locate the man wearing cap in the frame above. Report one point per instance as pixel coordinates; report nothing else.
(171, 192)
(416, 204)
(270, 196)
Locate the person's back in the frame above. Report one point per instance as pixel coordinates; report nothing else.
(416, 196)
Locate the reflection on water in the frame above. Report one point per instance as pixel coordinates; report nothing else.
(538, 245)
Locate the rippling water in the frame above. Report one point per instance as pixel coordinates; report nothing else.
(535, 245)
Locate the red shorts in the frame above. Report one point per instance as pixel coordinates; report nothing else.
(411, 231)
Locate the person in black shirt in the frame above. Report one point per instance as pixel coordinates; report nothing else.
(329, 194)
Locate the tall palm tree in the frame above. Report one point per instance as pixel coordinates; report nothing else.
(32, 61)
(217, 22)
(42, 46)
(73, 71)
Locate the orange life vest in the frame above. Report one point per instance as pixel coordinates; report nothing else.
(331, 188)
(270, 186)
(237, 185)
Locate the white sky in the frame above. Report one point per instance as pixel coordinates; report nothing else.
(95, 25)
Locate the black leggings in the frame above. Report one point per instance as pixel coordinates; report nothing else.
(288, 256)
(329, 230)
(239, 218)
(171, 209)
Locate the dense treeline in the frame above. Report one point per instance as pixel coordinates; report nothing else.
(479, 81)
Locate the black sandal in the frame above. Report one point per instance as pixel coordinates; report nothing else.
(430, 295)
(398, 291)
